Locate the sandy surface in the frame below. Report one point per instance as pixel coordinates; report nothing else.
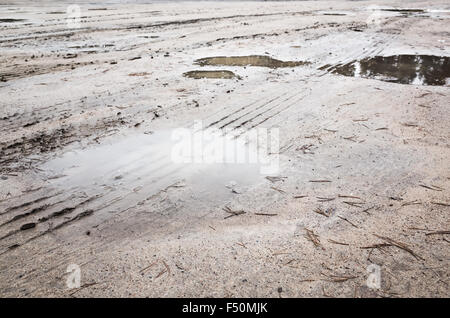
(79, 108)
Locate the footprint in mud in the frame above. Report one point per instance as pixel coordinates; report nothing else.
(251, 60)
(211, 74)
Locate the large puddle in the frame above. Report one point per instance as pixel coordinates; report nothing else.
(251, 60)
(211, 74)
(403, 69)
(147, 163)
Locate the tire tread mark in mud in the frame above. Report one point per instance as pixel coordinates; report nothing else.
(141, 26)
(257, 115)
(53, 215)
(28, 203)
(250, 111)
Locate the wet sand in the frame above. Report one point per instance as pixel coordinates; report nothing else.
(359, 91)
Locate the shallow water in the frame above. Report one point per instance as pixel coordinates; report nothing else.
(147, 162)
(403, 69)
(251, 60)
(211, 74)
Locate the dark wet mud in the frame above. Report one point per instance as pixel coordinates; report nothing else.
(403, 69)
(251, 60)
(11, 20)
(404, 10)
(211, 74)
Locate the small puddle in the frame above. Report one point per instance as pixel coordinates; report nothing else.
(403, 69)
(403, 10)
(11, 20)
(251, 60)
(211, 74)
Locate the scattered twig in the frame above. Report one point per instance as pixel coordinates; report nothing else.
(410, 124)
(349, 196)
(366, 210)
(342, 218)
(313, 237)
(149, 266)
(399, 245)
(441, 203)
(232, 213)
(277, 189)
(275, 179)
(82, 287)
(351, 138)
(356, 204)
(431, 187)
(323, 199)
(411, 203)
(241, 244)
(266, 214)
(339, 278)
(336, 242)
(322, 212)
(437, 232)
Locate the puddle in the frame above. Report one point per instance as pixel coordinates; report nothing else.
(11, 20)
(146, 163)
(211, 74)
(252, 60)
(335, 13)
(404, 10)
(403, 69)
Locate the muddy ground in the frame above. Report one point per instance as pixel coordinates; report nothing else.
(86, 179)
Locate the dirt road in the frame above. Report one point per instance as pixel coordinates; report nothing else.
(358, 92)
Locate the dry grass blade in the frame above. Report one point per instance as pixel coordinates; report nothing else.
(266, 214)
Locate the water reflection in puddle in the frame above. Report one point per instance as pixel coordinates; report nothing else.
(403, 69)
(145, 162)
